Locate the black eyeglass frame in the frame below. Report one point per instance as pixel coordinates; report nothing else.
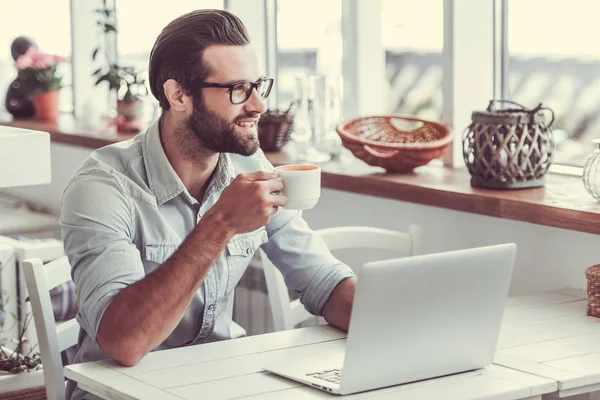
(231, 86)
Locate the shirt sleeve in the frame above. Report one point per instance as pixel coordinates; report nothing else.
(97, 227)
(307, 265)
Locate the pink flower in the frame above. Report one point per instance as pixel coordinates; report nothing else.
(34, 59)
(26, 60)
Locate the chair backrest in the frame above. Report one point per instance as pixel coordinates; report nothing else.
(52, 337)
(288, 313)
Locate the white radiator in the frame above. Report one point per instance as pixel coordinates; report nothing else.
(251, 309)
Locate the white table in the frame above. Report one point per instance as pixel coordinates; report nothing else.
(231, 369)
(549, 335)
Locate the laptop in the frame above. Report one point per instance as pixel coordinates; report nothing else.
(416, 318)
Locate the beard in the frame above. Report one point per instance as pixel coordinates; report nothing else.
(205, 131)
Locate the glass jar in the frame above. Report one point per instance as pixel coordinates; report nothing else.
(591, 172)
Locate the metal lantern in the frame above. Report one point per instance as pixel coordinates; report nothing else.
(508, 148)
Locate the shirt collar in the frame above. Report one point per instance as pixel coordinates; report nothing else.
(223, 176)
(162, 178)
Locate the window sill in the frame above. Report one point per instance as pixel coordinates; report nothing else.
(562, 203)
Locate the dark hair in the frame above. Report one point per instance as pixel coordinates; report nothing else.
(179, 49)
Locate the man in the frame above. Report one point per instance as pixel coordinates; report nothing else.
(159, 229)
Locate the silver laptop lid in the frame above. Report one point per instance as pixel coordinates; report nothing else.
(426, 316)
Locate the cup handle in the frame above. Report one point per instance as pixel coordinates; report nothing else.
(379, 153)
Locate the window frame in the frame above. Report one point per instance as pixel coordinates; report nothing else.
(83, 38)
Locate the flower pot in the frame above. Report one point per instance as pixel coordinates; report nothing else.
(28, 385)
(130, 109)
(46, 105)
(130, 115)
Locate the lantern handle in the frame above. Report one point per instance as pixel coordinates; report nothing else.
(540, 108)
(523, 108)
(491, 105)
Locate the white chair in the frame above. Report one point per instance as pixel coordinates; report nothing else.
(52, 337)
(288, 313)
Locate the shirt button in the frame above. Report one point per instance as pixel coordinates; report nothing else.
(248, 250)
(211, 307)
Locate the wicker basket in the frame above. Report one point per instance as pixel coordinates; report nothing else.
(508, 148)
(382, 141)
(274, 129)
(592, 275)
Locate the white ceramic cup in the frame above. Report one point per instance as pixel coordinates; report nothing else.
(301, 185)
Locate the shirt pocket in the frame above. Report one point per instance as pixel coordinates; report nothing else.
(157, 253)
(240, 251)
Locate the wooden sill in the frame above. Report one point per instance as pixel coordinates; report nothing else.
(562, 203)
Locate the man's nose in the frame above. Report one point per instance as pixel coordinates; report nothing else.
(255, 103)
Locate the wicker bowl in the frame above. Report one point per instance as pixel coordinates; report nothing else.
(398, 144)
(274, 129)
(592, 275)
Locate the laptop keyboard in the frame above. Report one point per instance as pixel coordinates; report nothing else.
(330, 375)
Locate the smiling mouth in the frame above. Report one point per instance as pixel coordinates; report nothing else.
(246, 124)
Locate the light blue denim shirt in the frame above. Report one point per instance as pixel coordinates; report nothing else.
(126, 211)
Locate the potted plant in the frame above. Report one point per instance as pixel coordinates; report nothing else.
(20, 369)
(38, 75)
(127, 82)
(131, 87)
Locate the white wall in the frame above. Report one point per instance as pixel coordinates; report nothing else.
(65, 161)
(548, 258)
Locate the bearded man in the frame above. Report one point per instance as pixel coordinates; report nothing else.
(160, 228)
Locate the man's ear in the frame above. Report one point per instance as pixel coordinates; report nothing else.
(177, 98)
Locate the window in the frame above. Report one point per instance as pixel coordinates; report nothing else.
(52, 35)
(305, 48)
(139, 25)
(412, 37)
(554, 59)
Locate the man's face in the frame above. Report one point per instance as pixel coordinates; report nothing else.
(219, 125)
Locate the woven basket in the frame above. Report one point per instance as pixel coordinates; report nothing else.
(274, 129)
(592, 275)
(382, 141)
(508, 148)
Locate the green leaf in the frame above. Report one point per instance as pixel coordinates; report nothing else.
(105, 77)
(96, 72)
(95, 53)
(105, 11)
(109, 28)
(114, 84)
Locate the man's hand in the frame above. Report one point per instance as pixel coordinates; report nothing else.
(248, 203)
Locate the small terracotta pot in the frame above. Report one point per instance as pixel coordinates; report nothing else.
(46, 105)
(130, 110)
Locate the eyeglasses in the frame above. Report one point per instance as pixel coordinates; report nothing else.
(240, 91)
